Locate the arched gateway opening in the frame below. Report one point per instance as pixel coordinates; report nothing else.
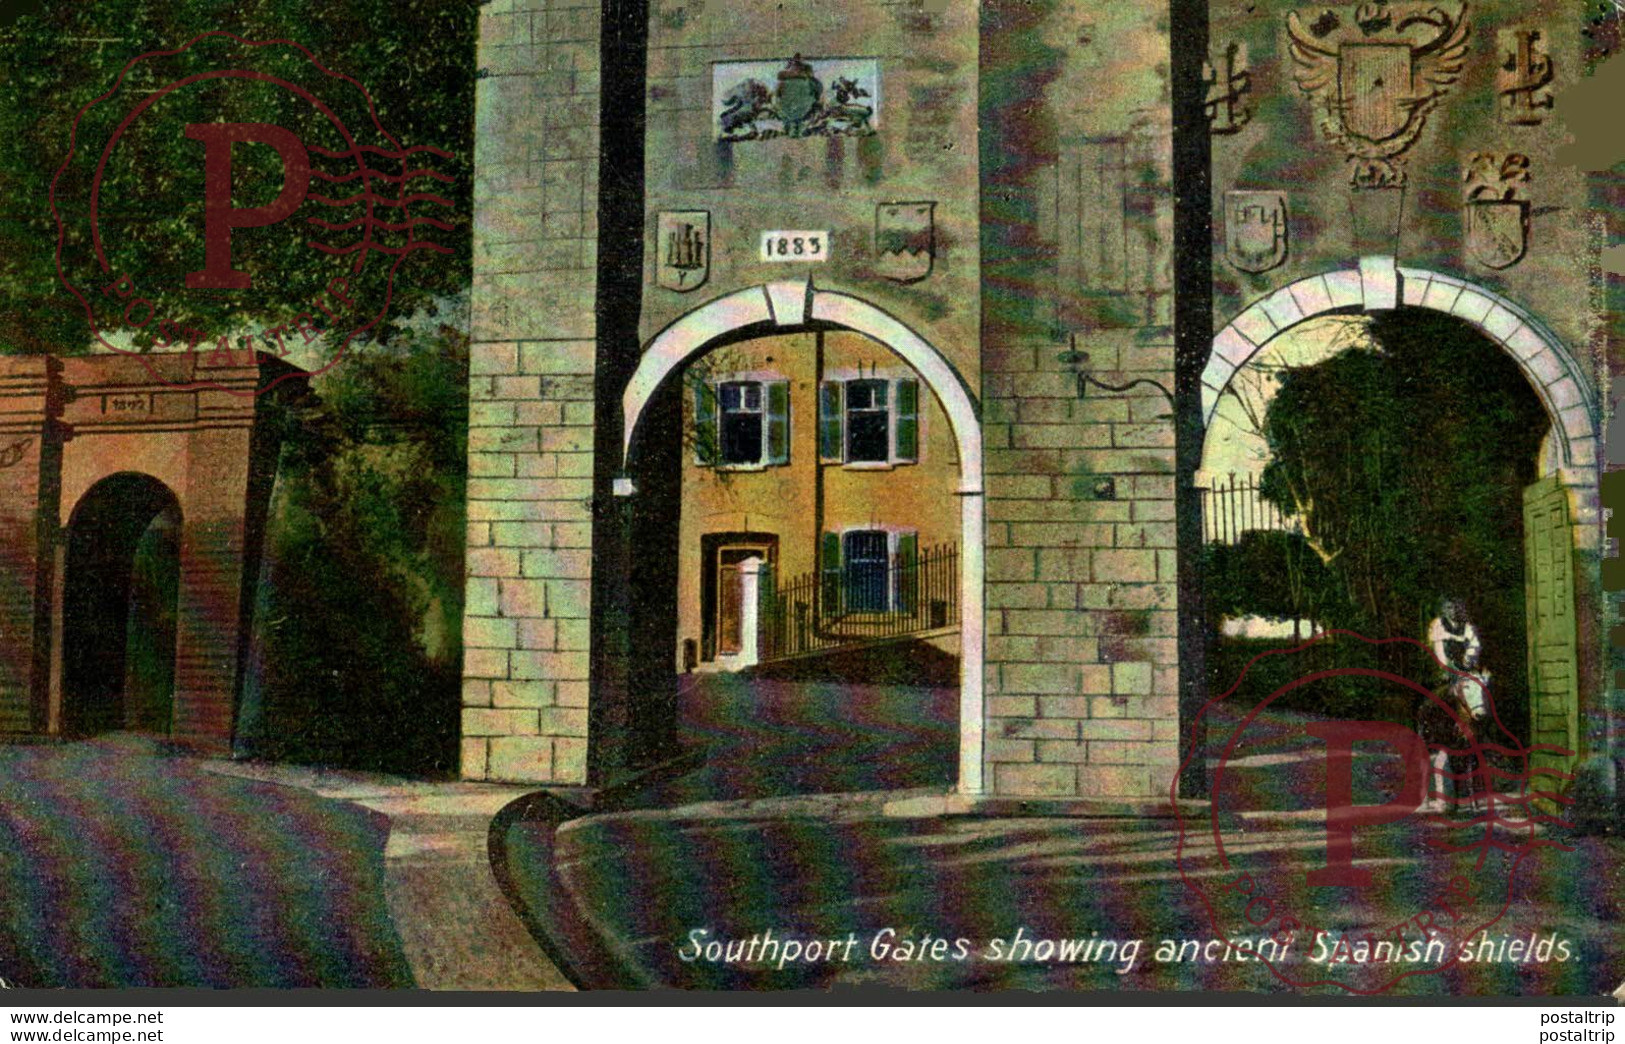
(1532, 510)
(119, 612)
(783, 380)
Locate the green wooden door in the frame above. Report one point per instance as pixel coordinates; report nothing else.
(1554, 712)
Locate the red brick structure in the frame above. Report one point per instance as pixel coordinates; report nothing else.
(95, 452)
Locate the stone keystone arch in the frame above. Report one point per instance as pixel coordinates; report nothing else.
(797, 304)
(1563, 385)
(1565, 389)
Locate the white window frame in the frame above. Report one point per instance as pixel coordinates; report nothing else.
(893, 535)
(889, 411)
(892, 379)
(760, 378)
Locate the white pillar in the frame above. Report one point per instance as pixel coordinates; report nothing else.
(972, 719)
(750, 588)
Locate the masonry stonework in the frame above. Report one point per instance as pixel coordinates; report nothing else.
(1082, 659)
(531, 394)
(1039, 137)
(79, 432)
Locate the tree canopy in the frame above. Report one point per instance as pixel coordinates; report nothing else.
(1406, 466)
(415, 59)
(355, 653)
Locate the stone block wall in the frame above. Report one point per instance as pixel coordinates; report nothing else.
(1082, 673)
(531, 413)
(1082, 677)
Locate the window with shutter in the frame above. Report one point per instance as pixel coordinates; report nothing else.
(778, 422)
(868, 422)
(740, 410)
(906, 572)
(867, 569)
(705, 425)
(829, 563)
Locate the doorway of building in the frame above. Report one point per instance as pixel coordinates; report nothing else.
(119, 608)
(722, 587)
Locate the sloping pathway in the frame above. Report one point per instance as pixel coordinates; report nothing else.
(120, 867)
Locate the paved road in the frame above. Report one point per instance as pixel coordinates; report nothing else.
(747, 856)
(771, 738)
(119, 868)
(651, 878)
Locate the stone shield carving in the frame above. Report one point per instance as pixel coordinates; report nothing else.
(1496, 208)
(1374, 72)
(683, 249)
(1255, 230)
(905, 240)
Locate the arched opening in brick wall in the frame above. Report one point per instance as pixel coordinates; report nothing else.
(1551, 507)
(119, 612)
(802, 322)
(103, 455)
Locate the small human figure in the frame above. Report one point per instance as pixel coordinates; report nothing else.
(1456, 645)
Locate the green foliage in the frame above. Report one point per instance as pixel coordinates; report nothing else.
(414, 57)
(1346, 696)
(1408, 465)
(360, 608)
(1270, 573)
(355, 656)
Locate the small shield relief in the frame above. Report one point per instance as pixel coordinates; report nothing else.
(1255, 230)
(905, 240)
(1497, 231)
(683, 249)
(1495, 198)
(1375, 89)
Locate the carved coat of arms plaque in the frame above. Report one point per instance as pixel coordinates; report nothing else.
(1496, 208)
(905, 242)
(799, 98)
(1374, 73)
(683, 257)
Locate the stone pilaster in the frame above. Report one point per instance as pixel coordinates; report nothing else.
(531, 374)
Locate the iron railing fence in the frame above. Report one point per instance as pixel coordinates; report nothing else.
(860, 603)
(1233, 508)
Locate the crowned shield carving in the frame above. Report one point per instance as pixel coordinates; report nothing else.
(800, 98)
(1374, 72)
(905, 240)
(1255, 230)
(683, 249)
(1496, 204)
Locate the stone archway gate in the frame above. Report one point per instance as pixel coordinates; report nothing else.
(792, 304)
(1561, 511)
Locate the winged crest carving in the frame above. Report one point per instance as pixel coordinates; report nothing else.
(1374, 72)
